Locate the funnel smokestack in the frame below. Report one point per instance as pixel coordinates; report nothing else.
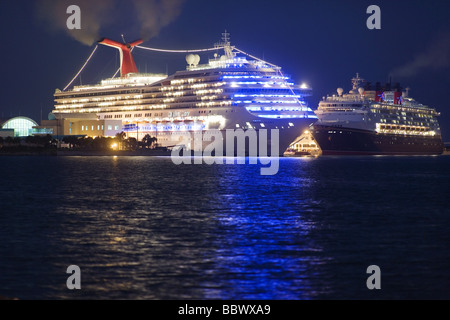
(127, 64)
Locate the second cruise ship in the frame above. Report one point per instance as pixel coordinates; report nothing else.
(376, 120)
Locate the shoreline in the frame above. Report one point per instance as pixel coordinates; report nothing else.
(84, 153)
(112, 153)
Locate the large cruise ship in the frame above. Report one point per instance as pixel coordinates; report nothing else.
(230, 91)
(376, 120)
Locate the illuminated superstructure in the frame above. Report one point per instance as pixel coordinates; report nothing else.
(376, 120)
(228, 92)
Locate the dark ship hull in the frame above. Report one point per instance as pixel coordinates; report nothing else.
(345, 141)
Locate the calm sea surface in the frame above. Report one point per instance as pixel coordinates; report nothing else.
(144, 228)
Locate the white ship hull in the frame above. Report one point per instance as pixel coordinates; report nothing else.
(183, 131)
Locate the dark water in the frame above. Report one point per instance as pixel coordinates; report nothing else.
(144, 228)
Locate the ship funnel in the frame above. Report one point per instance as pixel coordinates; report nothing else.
(127, 64)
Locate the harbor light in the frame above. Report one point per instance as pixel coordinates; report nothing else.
(304, 86)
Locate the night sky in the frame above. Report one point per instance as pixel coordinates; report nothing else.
(323, 43)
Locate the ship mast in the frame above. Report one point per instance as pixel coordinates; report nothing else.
(357, 82)
(226, 45)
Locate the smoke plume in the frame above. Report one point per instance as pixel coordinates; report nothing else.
(153, 15)
(94, 14)
(436, 57)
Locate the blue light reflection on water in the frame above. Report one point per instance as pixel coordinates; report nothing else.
(144, 228)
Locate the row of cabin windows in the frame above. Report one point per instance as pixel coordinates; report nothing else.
(138, 115)
(86, 128)
(99, 127)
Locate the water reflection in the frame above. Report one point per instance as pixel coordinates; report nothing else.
(264, 250)
(143, 228)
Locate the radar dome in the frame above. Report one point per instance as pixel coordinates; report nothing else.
(223, 58)
(190, 58)
(361, 90)
(340, 91)
(196, 59)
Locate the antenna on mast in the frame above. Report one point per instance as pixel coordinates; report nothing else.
(226, 37)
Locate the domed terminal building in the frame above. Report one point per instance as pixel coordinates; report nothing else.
(17, 127)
